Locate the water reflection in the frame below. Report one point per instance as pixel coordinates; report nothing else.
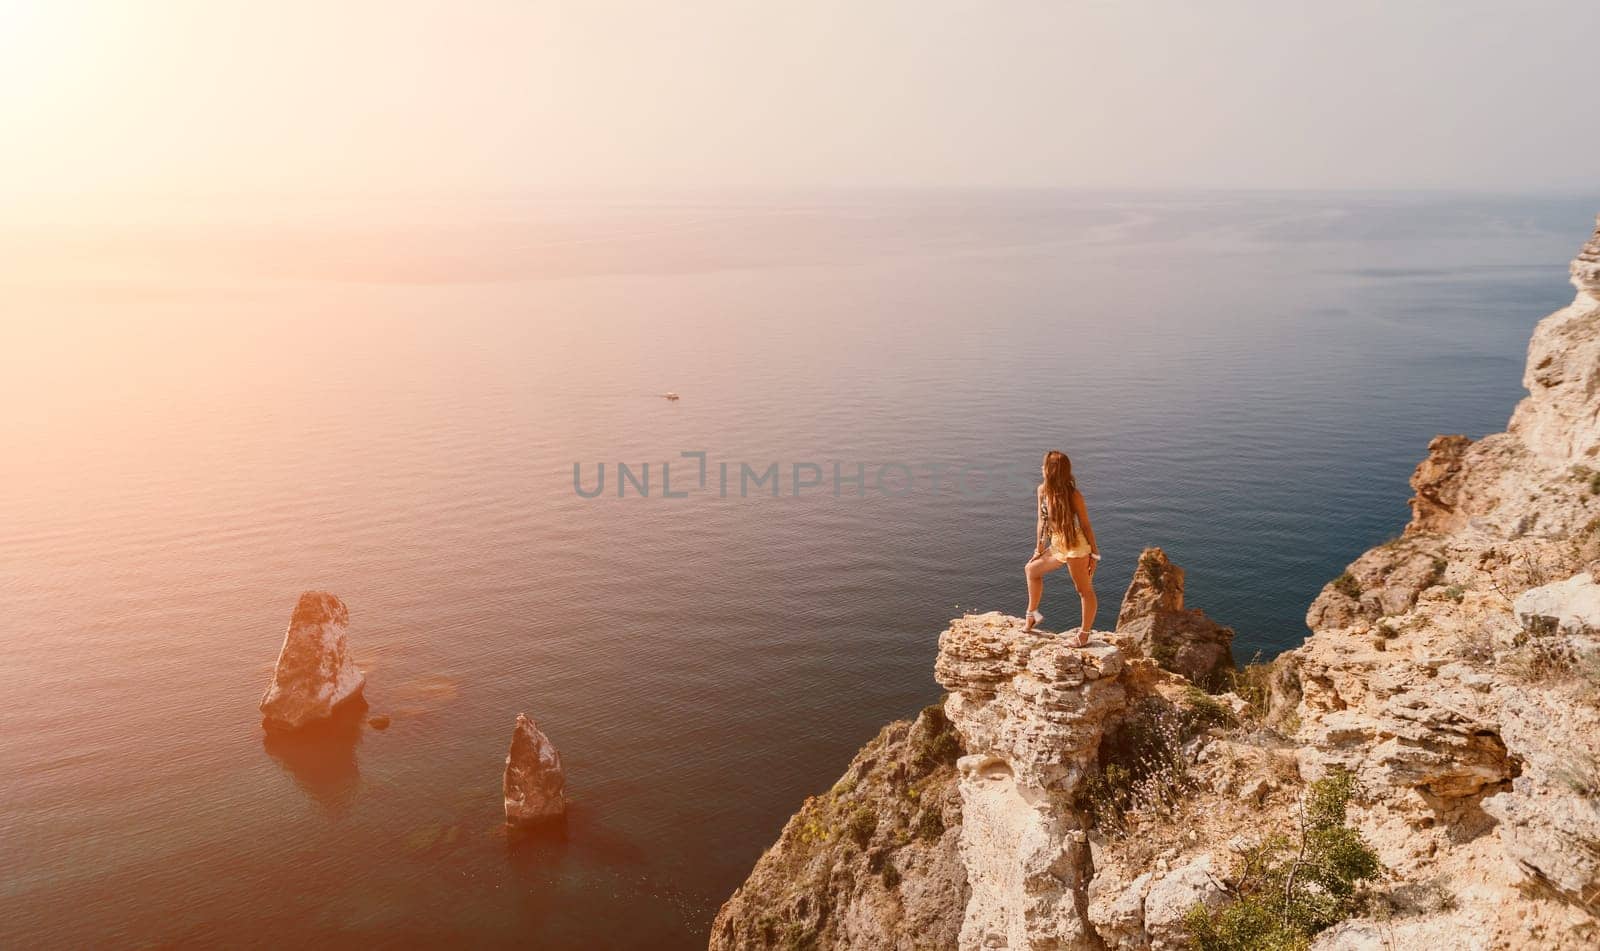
(321, 758)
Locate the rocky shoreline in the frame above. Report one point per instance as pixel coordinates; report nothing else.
(1064, 799)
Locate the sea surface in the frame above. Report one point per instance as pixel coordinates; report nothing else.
(386, 399)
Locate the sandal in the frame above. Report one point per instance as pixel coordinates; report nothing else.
(1033, 618)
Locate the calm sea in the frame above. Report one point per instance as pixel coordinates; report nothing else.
(386, 400)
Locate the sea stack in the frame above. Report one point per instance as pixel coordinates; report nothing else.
(315, 672)
(1182, 640)
(534, 781)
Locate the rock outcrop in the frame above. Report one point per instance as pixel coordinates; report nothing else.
(1031, 712)
(1456, 670)
(1182, 640)
(873, 862)
(534, 782)
(315, 672)
(1586, 266)
(1437, 483)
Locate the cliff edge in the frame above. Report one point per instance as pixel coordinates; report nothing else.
(1087, 799)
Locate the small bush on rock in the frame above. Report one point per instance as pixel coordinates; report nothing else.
(1252, 683)
(1142, 766)
(863, 824)
(1347, 585)
(1206, 711)
(1289, 888)
(938, 744)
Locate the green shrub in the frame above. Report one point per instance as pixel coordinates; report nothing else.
(890, 875)
(863, 824)
(937, 743)
(1206, 711)
(1347, 585)
(1242, 926)
(929, 824)
(1290, 888)
(1455, 593)
(1142, 766)
(1252, 683)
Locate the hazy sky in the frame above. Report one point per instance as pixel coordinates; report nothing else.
(340, 96)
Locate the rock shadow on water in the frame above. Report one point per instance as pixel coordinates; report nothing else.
(577, 836)
(531, 844)
(321, 757)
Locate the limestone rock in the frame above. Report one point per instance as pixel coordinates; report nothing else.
(1172, 895)
(315, 672)
(1118, 915)
(1181, 640)
(1559, 417)
(874, 862)
(1570, 607)
(1437, 482)
(1586, 266)
(534, 781)
(1157, 586)
(1030, 711)
(1550, 818)
(1384, 581)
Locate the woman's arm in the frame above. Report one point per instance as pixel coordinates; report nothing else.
(1038, 521)
(1088, 530)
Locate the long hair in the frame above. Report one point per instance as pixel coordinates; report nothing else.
(1058, 488)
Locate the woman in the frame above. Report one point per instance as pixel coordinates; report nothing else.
(1062, 537)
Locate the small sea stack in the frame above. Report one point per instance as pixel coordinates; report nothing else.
(1182, 640)
(315, 672)
(534, 780)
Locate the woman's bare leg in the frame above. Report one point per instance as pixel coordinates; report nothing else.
(1036, 569)
(1083, 580)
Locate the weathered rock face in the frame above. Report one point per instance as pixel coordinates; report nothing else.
(1437, 482)
(1570, 607)
(1181, 640)
(1560, 419)
(534, 783)
(873, 863)
(1586, 266)
(315, 671)
(1030, 712)
(1454, 670)
(1384, 581)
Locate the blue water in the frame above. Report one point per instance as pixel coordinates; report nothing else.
(219, 419)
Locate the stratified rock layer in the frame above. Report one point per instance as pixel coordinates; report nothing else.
(873, 863)
(1031, 712)
(1182, 640)
(534, 782)
(1453, 670)
(315, 672)
(1586, 266)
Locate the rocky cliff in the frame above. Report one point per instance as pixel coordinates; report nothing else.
(1092, 799)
